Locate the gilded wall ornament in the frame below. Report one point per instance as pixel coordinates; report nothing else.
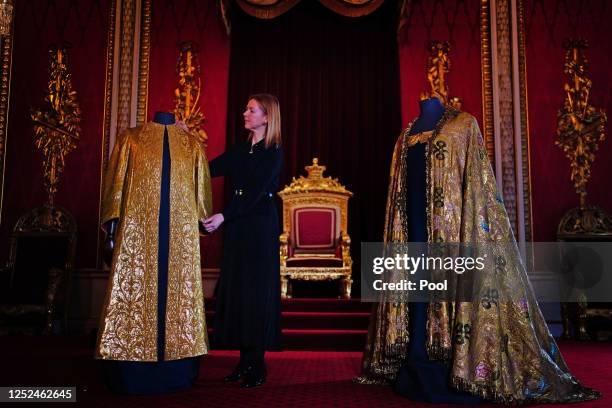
(187, 95)
(6, 17)
(57, 125)
(438, 66)
(580, 126)
(580, 129)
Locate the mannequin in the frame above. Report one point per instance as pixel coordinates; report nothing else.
(155, 364)
(431, 351)
(420, 379)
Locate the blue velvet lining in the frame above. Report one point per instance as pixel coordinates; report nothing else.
(420, 379)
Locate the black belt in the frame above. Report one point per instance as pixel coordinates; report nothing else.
(239, 192)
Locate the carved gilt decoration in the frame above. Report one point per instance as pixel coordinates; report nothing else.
(187, 95)
(314, 182)
(438, 66)
(6, 17)
(580, 126)
(57, 125)
(580, 129)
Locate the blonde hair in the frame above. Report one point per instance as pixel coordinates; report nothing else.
(270, 106)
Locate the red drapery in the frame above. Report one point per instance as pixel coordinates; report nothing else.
(337, 81)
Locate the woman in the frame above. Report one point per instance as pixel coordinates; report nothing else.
(248, 294)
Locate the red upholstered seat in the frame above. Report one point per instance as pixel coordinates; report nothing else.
(301, 262)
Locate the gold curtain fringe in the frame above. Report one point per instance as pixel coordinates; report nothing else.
(260, 9)
(437, 352)
(268, 9)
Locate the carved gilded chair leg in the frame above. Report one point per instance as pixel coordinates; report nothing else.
(284, 283)
(345, 285)
(289, 288)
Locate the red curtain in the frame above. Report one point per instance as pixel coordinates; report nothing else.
(337, 81)
(39, 23)
(547, 24)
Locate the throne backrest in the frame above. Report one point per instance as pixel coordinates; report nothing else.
(315, 211)
(315, 229)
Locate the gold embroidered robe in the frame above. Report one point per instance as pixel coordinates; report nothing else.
(132, 190)
(499, 347)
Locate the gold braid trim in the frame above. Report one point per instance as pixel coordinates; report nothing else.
(490, 392)
(437, 352)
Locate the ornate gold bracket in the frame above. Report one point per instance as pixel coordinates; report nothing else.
(580, 128)
(187, 95)
(57, 125)
(438, 66)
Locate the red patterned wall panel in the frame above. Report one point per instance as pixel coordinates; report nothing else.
(199, 22)
(547, 24)
(456, 21)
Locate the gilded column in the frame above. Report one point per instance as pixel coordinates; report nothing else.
(509, 113)
(6, 58)
(126, 63)
(127, 73)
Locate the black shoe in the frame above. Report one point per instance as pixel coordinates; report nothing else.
(252, 380)
(238, 374)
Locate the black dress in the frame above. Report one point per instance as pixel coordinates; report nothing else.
(248, 293)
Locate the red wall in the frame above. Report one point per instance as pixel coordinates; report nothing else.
(197, 21)
(39, 23)
(456, 21)
(84, 24)
(548, 23)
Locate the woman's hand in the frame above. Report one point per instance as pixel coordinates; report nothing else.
(213, 222)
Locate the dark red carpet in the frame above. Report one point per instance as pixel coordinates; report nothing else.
(307, 379)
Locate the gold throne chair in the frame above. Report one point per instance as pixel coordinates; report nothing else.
(315, 244)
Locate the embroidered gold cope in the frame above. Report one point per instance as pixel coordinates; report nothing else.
(498, 345)
(132, 190)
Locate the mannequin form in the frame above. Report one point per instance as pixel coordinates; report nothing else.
(419, 378)
(138, 340)
(445, 182)
(163, 118)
